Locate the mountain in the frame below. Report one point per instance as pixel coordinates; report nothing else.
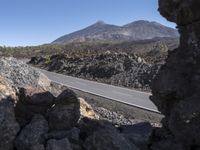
(102, 32)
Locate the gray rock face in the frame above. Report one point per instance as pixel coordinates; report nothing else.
(32, 134)
(176, 88)
(72, 135)
(63, 117)
(20, 74)
(58, 144)
(108, 140)
(65, 114)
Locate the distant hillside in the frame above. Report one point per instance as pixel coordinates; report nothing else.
(102, 32)
(93, 48)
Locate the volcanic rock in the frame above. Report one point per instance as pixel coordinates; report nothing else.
(8, 124)
(58, 144)
(176, 87)
(32, 101)
(65, 114)
(67, 97)
(38, 147)
(32, 134)
(108, 140)
(139, 134)
(72, 135)
(118, 69)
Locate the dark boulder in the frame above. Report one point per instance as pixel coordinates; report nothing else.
(177, 85)
(162, 139)
(167, 144)
(32, 101)
(182, 12)
(66, 97)
(72, 135)
(65, 114)
(8, 125)
(32, 134)
(37, 147)
(140, 134)
(62, 144)
(89, 126)
(108, 140)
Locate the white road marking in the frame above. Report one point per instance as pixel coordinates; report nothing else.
(119, 94)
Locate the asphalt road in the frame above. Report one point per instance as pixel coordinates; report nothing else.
(123, 95)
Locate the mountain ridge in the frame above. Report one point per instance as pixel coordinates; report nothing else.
(103, 32)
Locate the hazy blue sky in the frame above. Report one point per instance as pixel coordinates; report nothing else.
(34, 22)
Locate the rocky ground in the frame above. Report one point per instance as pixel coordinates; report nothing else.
(118, 69)
(33, 118)
(20, 74)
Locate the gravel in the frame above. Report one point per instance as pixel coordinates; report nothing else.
(18, 73)
(114, 117)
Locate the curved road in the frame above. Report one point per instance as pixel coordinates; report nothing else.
(123, 95)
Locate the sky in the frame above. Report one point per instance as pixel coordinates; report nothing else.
(36, 22)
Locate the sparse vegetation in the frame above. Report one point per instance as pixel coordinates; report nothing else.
(89, 49)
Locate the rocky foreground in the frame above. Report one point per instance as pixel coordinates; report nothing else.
(31, 118)
(34, 115)
(118, 69)
(34, 118)
(176, 89)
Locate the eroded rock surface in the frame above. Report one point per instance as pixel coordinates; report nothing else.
(176, 88)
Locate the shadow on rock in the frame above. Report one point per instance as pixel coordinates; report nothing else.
(62, 122)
